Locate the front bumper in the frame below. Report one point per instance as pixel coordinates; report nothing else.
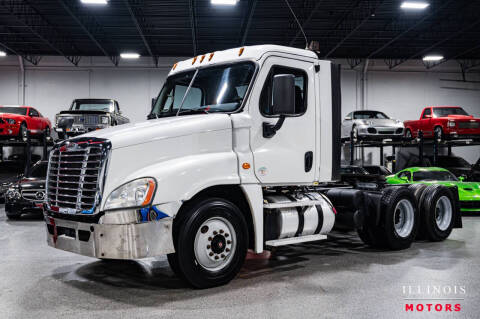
(9, 129)
(22, 207)
(372, 132)
(111, 241)
(82, 129)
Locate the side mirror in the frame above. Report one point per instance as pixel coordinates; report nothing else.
(348, 118)
(462, 178)
(283, 100)
(427, 116)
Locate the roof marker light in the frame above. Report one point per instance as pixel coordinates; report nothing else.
(415, 5)
(211, 56)
(3, 53)
(94, 1)
(194, 60)
(225, 2)
(430, 58)
(174, 66)
(129, 55)
(241, 51)
(202, 58)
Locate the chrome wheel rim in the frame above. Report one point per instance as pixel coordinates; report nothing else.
(438, 132)
(215, 244)
(408, 134)
(443, 213)
(404, 218)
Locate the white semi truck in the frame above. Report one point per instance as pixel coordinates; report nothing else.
(241, 151)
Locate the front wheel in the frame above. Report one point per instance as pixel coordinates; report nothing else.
(47, 132)
(23, 132)
(211, 242)
(438, 133)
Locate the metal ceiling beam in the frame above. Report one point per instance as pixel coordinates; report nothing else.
(40, 27)
(138, 19)
(247, 21)
(412, 27)
(90, 26)
(359, 18)
(306, 22)
(426, 50)
(455, 57)
(33, 59)
(193, 24)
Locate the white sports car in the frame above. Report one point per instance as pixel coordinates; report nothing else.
(371, 125)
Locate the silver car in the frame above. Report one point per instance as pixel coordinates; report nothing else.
(371, 125)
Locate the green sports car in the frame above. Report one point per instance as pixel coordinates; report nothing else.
(468, 192)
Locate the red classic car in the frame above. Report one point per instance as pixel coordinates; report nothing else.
(446, 121)
(16, 120)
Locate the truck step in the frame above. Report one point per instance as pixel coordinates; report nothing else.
(294, 240)
(293, 204)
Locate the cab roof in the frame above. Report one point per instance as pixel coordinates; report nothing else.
(419, 169)
(247, 53)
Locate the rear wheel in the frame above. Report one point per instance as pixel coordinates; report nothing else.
(438, 210)
(47, 132)
(210, 243)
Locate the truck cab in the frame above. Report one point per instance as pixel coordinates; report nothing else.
(242, 151)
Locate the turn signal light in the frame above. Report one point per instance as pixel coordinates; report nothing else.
(174, 66)
(148, 198)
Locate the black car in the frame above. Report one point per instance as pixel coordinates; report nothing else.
(377, 170)
(459, 167)
(28, 194)
(86, 115)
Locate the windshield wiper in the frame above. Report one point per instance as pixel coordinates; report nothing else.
(194, 111)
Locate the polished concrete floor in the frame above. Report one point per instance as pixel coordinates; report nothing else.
(338, 278)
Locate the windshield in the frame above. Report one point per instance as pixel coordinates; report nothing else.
(446, 111)
(39, 170)
(92, 105)
(369, 115)
(14, 110)
(213, 89)
(434, 176)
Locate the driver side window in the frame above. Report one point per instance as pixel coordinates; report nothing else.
(33, 113)
(427, 112)
(266, 106)
(405, 175)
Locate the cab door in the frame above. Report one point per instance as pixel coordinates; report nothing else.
(35, 123)
(288, 156)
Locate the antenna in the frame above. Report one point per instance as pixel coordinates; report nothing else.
(298, 22)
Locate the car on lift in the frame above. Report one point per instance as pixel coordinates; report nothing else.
(15, 121)
(468, 192)
(371, 125)
(27, 195)
(86, 115)
(446, 122)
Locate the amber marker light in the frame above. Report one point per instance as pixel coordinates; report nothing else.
(241, 51)
(194, 60)
(202, 58)
(151, 189)
(211, 56)
(174, 66)
(246, 165)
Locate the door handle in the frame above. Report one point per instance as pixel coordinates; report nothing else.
(308, 161)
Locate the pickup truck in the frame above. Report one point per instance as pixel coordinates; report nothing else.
(242, 151)
(445, 122)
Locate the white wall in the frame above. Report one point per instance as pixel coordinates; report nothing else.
(401, 93)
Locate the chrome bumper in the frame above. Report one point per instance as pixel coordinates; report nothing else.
(109, 241)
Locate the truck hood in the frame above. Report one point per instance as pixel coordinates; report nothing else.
(162, 128)
(73, 112)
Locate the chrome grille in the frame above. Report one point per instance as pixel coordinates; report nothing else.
(34, 195)
(75, 172)
(87, 119)
(469, 125)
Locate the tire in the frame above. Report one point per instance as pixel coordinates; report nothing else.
(211, 243)
(438, 131)
(408, 134)
(355, 134)
(47, 132)
(400, 220)
(418, 190)
(438, 212)
(22, 135)
(13, 216)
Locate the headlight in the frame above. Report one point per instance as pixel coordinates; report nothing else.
(104, 119)
(10, 121)
(137, 193)
(451, 124)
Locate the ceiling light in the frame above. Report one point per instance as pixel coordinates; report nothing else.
(225, 2)
(3, 53)
(94, 1)
(414, 5)
(129, 55)
(432, 58)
